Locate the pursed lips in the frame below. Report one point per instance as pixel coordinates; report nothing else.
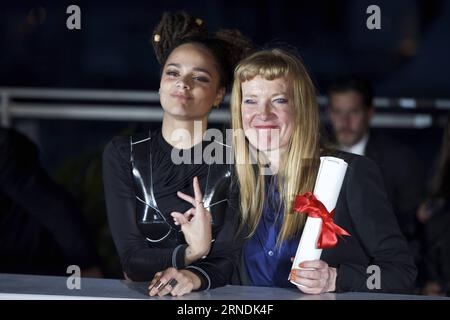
(181, 96)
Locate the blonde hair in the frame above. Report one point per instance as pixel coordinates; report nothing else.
(299, 166)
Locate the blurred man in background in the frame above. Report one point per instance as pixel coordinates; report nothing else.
(350, 111)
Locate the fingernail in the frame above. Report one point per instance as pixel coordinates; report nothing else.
(158, 285)
(301, 265)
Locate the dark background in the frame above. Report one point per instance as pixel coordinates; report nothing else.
(408, 57)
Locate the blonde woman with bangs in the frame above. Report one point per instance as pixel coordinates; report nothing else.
(275, 118)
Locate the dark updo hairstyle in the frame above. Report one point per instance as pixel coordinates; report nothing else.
(227, 47)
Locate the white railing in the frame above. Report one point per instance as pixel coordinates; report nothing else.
(115, 105)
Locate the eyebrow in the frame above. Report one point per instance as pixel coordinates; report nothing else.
(279, 94)
(273, 95)
(177, 65)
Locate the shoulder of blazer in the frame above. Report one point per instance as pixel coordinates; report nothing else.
(380, 145)
(353, 160)
(346, 156)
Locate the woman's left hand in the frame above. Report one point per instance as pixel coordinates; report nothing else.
(318, 279)
(173, 281)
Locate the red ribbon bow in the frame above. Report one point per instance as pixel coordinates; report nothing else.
(308, 203)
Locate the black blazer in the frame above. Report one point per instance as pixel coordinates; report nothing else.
(363, 209)
(403, 177)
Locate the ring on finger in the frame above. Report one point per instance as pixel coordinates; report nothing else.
(173, 283)
(157, 285)
(163, 286)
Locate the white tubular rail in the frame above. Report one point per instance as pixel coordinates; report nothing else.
(122, 105)
(84, 104)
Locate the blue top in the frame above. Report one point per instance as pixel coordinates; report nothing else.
(268, 265)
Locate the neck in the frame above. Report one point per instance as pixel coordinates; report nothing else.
(183, 134)
(364, 136)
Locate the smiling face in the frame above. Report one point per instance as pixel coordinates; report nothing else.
(190, 83)
(268, 113)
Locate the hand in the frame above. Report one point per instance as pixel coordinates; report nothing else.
(173, 281)
(319, 279)
(432, 288)
(195, 225)
(424, 213)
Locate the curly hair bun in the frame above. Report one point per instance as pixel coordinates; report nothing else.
(172, 28)
(228, 47)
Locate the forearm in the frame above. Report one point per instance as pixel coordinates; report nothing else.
(142, 264)
(192, 255)
(217, 268)
(213, 271)
(189, 256)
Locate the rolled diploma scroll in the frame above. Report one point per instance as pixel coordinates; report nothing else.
(327, 188)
